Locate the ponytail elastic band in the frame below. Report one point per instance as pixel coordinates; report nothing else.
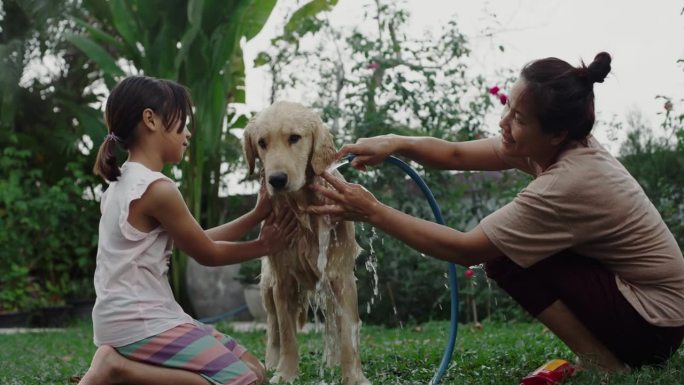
(113, 137)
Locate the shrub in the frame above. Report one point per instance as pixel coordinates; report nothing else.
(48, 233)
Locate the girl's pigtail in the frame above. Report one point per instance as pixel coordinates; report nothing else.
(105, 163)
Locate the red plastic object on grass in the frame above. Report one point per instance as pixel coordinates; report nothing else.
(551, 373)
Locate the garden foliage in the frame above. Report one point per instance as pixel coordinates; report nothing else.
(364, 81)
(49, 234)
(377, 80)
(367, 83)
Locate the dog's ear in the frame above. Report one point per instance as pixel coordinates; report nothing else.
(323, 149)
(248, 146)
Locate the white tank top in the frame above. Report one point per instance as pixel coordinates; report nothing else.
(134, 298)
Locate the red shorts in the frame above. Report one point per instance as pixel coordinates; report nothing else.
(589, 290)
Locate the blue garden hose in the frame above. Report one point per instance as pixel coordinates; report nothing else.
(220, 317)
(449, 349)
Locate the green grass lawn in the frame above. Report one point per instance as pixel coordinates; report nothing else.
(499, 353)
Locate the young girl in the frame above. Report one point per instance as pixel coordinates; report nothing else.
(143, 335)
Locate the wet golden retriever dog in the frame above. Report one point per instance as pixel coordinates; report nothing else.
(293, 147)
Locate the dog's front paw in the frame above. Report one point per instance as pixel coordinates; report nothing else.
(358, 379)
(280, 377)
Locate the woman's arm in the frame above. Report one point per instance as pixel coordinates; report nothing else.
(428, 151)
(439, 241)
(163, 202)
(354, 202)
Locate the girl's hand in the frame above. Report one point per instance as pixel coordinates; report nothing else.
(369, 151)
(263, 205)
(352, 201)
(278, 231)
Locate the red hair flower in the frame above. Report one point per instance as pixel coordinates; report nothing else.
(469, 273)
(503, 98)
(496, 91)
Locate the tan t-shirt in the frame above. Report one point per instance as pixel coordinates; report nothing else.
(587, 202)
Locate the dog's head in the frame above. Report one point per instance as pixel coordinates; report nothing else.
(291, 142)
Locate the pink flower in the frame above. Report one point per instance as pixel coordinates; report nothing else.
(494, 90)
(373, 66)
(469, 273)
(503, 98)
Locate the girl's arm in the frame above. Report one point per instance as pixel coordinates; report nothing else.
(235, 229)
(428, 151)
(353, 202)
(163, 202)
(238, 228)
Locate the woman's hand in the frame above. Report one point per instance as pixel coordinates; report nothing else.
(278, 230)
(352, 201)
(369, 151)
(263, 205)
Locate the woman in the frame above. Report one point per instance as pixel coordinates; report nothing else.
(581, 247)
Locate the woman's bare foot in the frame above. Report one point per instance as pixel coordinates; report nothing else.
(105, 367)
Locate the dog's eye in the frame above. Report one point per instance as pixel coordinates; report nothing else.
(262, 143)
(294, 138)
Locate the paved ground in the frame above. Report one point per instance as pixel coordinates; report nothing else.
(247, 326)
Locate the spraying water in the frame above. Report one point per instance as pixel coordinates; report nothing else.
(324, 227)
(337, 165)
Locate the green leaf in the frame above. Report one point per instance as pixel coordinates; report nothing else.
(306, 12)
(197, 63)
(255, 17)
(234, 78)
(97, 54)
(262, 58)
(223, 44)
(240, 122)
(99, 35)
(90, 121)
(125, 23)
(162, 51)
(186, 42)
(195, 12)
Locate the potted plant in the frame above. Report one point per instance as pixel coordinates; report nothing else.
(249, 275)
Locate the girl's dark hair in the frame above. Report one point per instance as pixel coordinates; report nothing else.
(124, 109)
(562, 96)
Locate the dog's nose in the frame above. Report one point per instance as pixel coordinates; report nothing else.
(278, 180)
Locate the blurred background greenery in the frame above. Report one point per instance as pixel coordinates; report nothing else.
(374, 82)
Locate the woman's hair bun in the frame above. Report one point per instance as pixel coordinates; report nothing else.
(599, 68)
